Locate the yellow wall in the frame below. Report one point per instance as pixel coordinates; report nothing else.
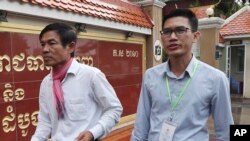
(209, 40)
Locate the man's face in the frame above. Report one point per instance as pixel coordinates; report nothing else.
(178, 37)
(54, 54)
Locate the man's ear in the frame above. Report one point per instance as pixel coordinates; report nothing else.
(71, 47)
(197, 36)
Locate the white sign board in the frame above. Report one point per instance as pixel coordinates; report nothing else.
(157, 50)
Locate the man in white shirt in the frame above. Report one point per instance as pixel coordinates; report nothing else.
(76, 102)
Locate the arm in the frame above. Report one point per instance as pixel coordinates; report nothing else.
(221, 109)
(43, 128)
(142, 123)
(112, 108)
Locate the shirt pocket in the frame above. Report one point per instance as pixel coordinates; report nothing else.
(77, 109)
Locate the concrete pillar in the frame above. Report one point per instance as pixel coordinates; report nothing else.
(209, 28)
(246, 88)
(154, 9)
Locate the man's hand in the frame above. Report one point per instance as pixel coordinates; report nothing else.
(85, 136)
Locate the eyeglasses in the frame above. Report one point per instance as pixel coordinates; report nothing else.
(180, 30)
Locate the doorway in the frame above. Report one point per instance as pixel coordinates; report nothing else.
(235, 68)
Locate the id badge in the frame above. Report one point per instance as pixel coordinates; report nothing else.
(167, 131)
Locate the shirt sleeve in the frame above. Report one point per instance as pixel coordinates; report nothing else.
(141, 128)
(43, 128)
(106, 96)
(221, 109)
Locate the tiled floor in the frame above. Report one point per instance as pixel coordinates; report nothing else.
(241, 113)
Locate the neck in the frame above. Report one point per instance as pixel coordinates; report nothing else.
(61, 66)
(179, 64)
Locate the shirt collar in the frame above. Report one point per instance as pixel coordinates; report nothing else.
(191, 66)
(189, 70)
(72, 69)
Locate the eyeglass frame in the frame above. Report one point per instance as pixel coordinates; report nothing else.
(185, 29)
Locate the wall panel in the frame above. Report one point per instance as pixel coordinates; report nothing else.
(22, 70)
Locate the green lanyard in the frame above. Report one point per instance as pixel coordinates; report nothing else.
(175, 103)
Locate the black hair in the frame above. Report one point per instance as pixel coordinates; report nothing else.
(186, 13)
(66, 33)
